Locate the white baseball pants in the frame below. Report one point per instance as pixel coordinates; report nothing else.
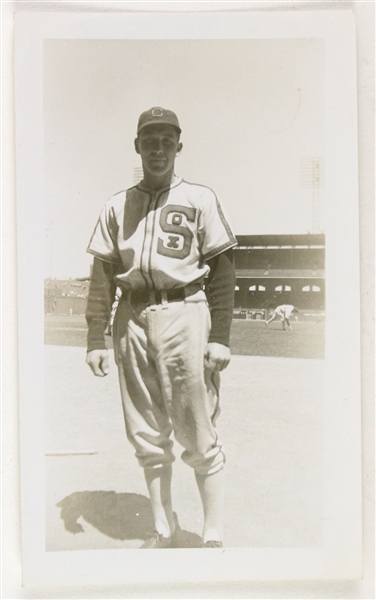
(159, 350)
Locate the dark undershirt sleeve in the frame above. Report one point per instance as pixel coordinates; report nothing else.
(99, 303)
(220, 286)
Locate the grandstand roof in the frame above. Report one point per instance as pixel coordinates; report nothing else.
(280, 273)
(290, 240)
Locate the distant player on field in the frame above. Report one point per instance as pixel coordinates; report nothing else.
(284, 312)
(157, 241)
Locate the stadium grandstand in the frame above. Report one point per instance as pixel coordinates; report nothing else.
(279, 269)
(65, 296)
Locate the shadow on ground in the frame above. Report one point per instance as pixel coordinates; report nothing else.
(118, 516)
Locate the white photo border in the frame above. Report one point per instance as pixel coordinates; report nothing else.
(341, 555)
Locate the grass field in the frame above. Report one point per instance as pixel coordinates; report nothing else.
(307, 340)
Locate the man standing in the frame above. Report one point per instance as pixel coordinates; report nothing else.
(157, 242)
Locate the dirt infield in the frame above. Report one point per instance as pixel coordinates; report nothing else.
(253, 338)
(272, 426)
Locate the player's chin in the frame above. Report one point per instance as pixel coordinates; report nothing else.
(157, 165)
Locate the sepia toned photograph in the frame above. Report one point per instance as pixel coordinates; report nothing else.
(187, 303)
(252, 132)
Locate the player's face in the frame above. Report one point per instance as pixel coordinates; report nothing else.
(158, 146)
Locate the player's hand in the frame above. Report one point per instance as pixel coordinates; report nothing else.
(98, 362)
(217, 356)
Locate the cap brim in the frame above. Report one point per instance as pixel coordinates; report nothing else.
(159, 123)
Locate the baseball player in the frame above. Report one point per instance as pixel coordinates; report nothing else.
(284, 311)
(157, 242)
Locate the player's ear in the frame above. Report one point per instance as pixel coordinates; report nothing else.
(136, 146)
(179, 149)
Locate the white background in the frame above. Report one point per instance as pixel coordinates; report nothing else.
(11, 575)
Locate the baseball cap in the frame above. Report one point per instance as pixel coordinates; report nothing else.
(158, 115)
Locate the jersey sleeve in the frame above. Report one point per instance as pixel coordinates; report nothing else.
(219, 289)
(103, 241)
(214, 231)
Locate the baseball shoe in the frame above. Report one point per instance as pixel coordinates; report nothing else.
(156, 540)
(212, 544)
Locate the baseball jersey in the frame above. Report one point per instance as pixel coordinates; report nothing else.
(161, 238)
(285, 310)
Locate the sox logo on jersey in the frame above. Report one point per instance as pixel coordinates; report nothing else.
(161, 238)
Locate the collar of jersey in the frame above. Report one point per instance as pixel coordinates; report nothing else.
(168, 187)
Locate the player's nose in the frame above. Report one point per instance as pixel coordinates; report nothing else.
(158, 151)
(158, 146)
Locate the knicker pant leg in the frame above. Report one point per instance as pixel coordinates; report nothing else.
(147, 423)
(191, 392)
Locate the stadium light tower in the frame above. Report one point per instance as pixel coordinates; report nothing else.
(312, 177)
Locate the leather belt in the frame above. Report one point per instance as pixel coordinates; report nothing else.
(158, 296)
